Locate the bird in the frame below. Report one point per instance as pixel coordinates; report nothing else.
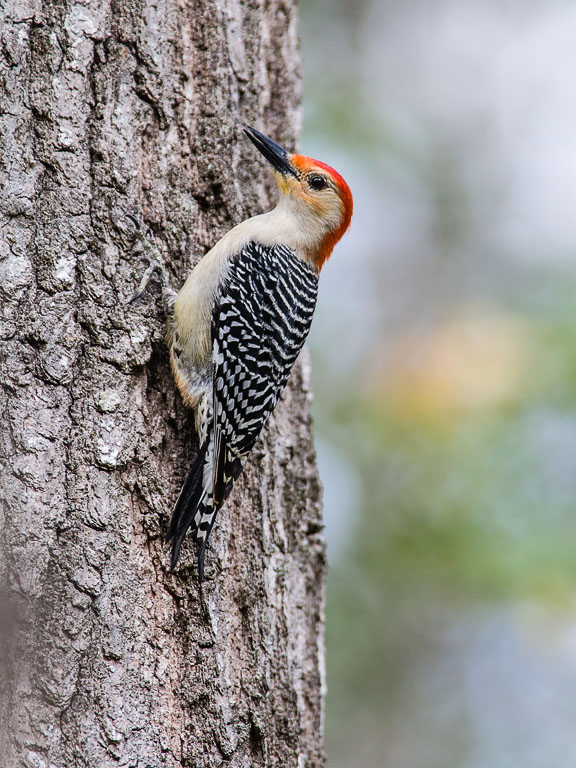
(238, 323)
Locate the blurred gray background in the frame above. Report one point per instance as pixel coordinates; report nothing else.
(444, 352)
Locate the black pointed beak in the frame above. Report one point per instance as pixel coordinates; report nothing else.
(274, 153)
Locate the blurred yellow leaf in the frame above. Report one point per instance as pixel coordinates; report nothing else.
(474, 359)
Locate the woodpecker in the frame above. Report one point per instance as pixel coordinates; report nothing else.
(239, 322)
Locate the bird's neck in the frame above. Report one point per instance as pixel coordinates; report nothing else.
(297, 226)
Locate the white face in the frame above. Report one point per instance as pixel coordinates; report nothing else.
(315, 194)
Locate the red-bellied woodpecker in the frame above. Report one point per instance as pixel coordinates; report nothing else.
(238, 323)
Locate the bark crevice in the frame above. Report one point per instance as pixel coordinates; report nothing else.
(107, 658)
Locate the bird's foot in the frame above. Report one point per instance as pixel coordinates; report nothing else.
(152, 254)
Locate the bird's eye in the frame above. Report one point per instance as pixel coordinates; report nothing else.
(317, 182)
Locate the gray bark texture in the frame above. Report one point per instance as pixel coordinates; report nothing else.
(107, 658)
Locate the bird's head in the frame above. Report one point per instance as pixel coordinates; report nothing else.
(317, 198)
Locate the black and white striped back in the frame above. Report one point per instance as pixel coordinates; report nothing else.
(259, 326)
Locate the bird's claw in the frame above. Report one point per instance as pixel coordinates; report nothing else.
(134, 221)
(154, 265)
(151, 253)
(144, 238)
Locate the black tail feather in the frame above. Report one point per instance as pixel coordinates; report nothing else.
(191, 501)
(187, 504)
(200, 554)
(176, 544)
(201, 550)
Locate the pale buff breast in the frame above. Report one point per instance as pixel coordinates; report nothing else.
(289, 224)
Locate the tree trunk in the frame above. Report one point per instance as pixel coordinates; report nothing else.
(108, 659)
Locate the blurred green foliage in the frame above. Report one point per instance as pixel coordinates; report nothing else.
(461, 508)
(456, 414)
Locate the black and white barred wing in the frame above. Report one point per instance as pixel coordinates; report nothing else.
(260, 326)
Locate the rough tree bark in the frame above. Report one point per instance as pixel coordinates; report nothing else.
(108, 659)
